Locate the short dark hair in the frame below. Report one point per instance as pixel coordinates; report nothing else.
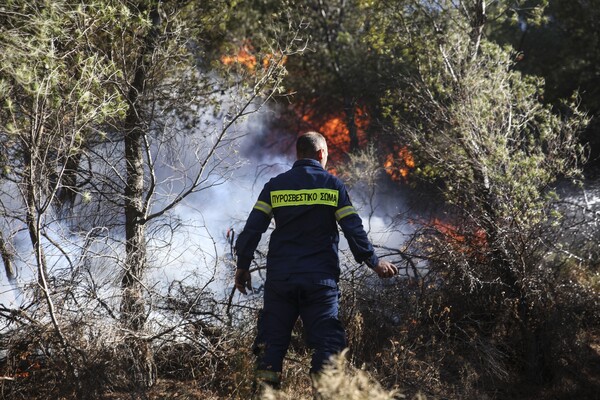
(309, 143)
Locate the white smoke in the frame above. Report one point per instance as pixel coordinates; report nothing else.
(189, 243)
(202, 251)
(242, 167)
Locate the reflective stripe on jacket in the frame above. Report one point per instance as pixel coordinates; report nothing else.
(307, 203)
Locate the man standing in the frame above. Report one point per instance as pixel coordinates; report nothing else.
(302, 262)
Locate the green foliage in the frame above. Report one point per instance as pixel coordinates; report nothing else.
(477, 124)
(483, 136)
(52, 85)
(337, 75)
(92, 94)
(564, 50)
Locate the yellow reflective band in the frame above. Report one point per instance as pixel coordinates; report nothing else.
(264, 207)
(304, 197)
(344, 212)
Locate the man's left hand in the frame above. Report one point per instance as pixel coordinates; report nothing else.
(385, 269)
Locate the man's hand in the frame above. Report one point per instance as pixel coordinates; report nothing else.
(242, 280)
(385, 269)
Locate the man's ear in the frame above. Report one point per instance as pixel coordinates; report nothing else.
(320, 154)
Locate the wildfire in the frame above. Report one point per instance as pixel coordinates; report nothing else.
(27, 364)
(335, 128)
(463, 242)
(246, 57)
(243, 57)
(399, 163)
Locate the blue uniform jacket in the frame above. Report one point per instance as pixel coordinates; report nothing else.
(306, 202)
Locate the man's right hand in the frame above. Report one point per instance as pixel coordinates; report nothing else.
(242, 280)
(385, 269)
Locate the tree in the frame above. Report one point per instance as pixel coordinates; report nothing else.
(94, 96)
(51, 94)
(561, 45)
(335, 85)
(481, 134)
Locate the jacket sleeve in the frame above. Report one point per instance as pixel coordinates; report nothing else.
(257, 223)
(355, 234)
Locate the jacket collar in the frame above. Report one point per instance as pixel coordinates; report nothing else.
(307, 162)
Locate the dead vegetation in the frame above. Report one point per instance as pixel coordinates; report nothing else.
(407, 340)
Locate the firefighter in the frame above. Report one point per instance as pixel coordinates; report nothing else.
(302, 262)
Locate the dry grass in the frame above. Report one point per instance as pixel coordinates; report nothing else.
(339, 380)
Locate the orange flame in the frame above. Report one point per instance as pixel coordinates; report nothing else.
(26, 366)
(399, 163)
(335, 129)
(463, 242)
(246, 57)
(243, 57)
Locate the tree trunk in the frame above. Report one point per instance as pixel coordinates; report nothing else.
(532, 349)
(7, 258)
(478, 21)
(65, 197)
(350, 109)
(133, 307)
(31, 210)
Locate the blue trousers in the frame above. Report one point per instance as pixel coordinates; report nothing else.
(312, 297)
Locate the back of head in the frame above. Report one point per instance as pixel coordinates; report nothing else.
(309, 144)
